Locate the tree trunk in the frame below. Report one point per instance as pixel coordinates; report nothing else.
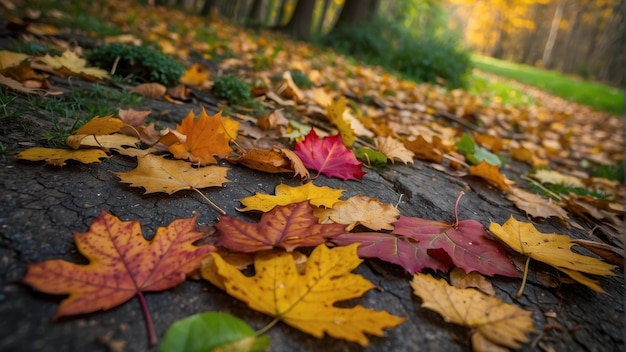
(255, 17)
(299, 26)
(281, 13)
(546, 61)
(354, 12)
(320, 24)
(210, 7)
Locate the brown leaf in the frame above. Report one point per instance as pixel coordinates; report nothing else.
(150, 90)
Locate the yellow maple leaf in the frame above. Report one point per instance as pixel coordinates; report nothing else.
(58, 157)
(496, 324)
(555, 177)
(306, 301)
(394, 149)
(334, 113)
(70, 64)
(114, 141)
(206, 137)
(366, 211)
(285, 194)
(552, 249)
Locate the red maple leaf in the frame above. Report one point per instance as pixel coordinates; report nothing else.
(288, 226)
(329, 156)
(417, 243)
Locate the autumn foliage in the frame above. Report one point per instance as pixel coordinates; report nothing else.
(309, 238)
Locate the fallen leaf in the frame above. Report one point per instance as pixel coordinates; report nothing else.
(423, 150)
(208, 136)
(212, 331)
(70, 64)
(157, 174)
(306, 301)
(552, 249)
(122, 264)
(394, 149)
(288, 226)
(285, 194)
(132, 117)
(149, 90)
(59, 157)
(417, 243)
(196, 75)
(113, 141)
(491, 174)
(335, 114)
(495, 324)
(555, 177)
(473, 279)
(277, 160)
(329, 157)
(360, 210)
(534, 205)
(10, 58)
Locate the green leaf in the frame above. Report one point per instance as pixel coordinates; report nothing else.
(298, 130)
(209, 331)
(475, 154)
(466, 145)
(483, 154)
(371, 158)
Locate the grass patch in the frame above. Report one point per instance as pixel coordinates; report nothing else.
(596, 95)
(499, 91)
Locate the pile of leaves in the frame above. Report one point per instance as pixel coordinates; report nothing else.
(351, 120)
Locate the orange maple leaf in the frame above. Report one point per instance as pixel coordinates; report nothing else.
(206, 137)
(122, 264)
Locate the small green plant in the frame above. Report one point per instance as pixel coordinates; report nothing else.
(300, 79)
(140, 63)
(611, 172)
(232, 89)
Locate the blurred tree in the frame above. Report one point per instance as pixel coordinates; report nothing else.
(299, 26)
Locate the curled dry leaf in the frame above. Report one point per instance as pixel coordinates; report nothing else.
(473, 279)
(149, 90)
(496, 324)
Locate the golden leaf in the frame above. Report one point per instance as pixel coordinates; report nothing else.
(494, 321)
(491, 174)
(552, 249)
(306, 301)
(69, 63)
(318, 196)
(156, 174)
(58, 157)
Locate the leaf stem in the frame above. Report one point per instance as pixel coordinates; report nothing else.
(220, 210)
(559, 198)
(521, 289)
(152, 338)
(456, 210)
(267, 327)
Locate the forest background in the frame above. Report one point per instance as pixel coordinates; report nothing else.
(429, 40)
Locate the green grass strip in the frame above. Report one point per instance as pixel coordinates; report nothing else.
(596, 95)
